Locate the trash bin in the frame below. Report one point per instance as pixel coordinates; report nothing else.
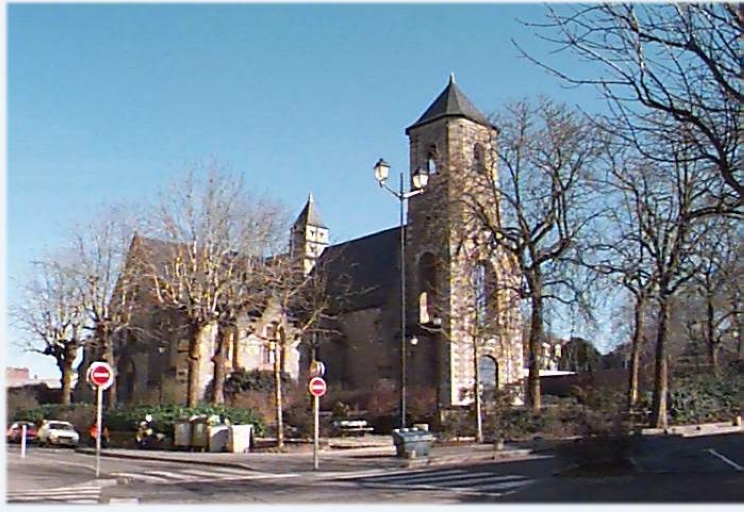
(239, 439)
(412, 442)
(218, 436)
(182, 434)
(199, 438)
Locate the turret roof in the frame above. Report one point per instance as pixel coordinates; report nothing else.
(451, 103)
(309, 215)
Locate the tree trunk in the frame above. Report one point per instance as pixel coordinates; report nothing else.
(65, 365)
(635, 352)
(224, 336)
(535, 352)
(192, 387)
(661, 378)
(477, 395)
(109, 357)
(711, 335)
(713, 357)
(278, 396)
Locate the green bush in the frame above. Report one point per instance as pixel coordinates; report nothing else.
(126, 419)
(242, 380)
(705, 397)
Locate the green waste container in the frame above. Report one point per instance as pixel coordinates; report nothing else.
(412, 442)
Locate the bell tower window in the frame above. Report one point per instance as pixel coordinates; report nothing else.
(428, 292)
(479, 159)
(431, 160)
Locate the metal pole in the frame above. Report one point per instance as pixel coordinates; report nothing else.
(316, 428)
(99, 393)
(23, 441)
(402, 198)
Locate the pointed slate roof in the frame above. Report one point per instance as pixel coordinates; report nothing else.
(309, 215)
(451, 103)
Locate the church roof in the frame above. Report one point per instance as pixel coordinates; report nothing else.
(451, 103)
(309, 215)
(362, 273)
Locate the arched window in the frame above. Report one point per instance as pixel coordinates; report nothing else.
(479, 159)
(427, 273)
(431, 160)
(481, 293)
(488, 373)
(485, 290)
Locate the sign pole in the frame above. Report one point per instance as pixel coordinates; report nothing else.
(316, 414)
(98, 430)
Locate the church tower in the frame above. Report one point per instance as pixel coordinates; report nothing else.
(309, 235)
(462, 311)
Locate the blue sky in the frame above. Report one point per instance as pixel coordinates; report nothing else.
(109, 102)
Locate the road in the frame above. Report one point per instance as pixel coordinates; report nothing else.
(705, 469)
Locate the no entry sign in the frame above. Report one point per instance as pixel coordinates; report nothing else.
(101, 375)
(317, 386)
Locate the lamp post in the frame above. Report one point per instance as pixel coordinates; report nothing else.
(419, 180)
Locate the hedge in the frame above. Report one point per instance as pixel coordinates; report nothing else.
(126, 419)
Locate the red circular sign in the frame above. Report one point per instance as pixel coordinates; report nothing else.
(100, 374)
(317, 386)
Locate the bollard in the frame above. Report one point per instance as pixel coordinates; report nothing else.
(23, 441)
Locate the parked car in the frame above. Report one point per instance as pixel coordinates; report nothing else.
(60, 433)
(15, 431)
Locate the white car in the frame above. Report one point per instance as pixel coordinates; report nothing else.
(61, 433)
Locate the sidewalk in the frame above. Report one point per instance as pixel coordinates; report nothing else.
(340, 455)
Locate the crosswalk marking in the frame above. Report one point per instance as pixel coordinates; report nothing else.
(199, 475)
(76, 495)
(453, 480)
(170, 475)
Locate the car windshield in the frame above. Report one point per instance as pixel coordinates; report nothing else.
(60, 426)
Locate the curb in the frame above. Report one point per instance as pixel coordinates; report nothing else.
(134, 456)
(401, 463)
(452, 459)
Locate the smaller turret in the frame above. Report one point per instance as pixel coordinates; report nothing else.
(309, 235)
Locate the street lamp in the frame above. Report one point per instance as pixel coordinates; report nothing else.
(419, 180)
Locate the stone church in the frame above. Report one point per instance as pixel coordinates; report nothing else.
(452, 287)
(460, 318)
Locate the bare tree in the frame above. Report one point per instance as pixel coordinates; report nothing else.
(106, 287)
(301, 301)
(711, 311)
(52, 312)
(545, 155)
(620, 252)
(671, 208)
(487, 316)
(215, 235)
(673, 70)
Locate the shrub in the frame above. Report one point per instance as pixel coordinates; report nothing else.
(242, 380)
(698, 398)
(126, 418)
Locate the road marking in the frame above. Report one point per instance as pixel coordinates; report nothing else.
(77, 495)
(382, 472)
(169, 475)
(141, 476)
(726, 460)
(422, 476)
(455, 481)
(199, 476)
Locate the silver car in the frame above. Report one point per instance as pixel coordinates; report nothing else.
(59, 433)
